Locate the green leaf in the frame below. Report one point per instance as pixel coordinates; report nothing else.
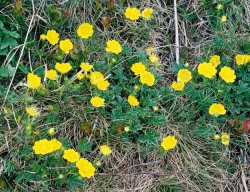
(23, 68)
(149, 137)
(1, 25)
(84, 146)
(4, 72)
(8, 42)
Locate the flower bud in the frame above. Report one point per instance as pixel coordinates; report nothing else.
(51, 131)
(219, 6)
(127, 129)
(98, 163)
(136, 87)
(216, 137)
(156, 108)
(43, 37)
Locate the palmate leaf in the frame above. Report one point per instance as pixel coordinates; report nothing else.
(149, 137)
(84, 146)
(74, 180)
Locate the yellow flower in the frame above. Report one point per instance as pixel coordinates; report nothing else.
(86, 169)
(147, 13)
(227, 74)
(43, 37)
(79, 75)
(55, 144)
(186, 65)
(215, 60)
(96, 77)
(147, 78)
(85, 30)
(178, 86)
(138, 68)
(97, 101)
(113, 46)
(105, 150)
(153, 58)
(247, 58)
(133, 101)
(184, 75)
(225, 138)
(242, 59)
(51, 74)
(102, 85)
(169, 142)
(42, 147)
(219, 6)
(217, 109)
(52, 37)
(71, 155)
(66, 45)
(132, 13)
(86, 67)
(32, 111)
(207, 70)
(33, 81)
(63, 67)
(223, 18)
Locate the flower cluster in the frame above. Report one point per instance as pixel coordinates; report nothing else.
(85, 30)
(146, 77)
(183, 77)
(153, 58)
(225, 138)
(242, 59)
(209, 70)
(133, 14)
(45, 146)
(85, 168)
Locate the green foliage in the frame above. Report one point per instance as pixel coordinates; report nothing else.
(8, 39)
